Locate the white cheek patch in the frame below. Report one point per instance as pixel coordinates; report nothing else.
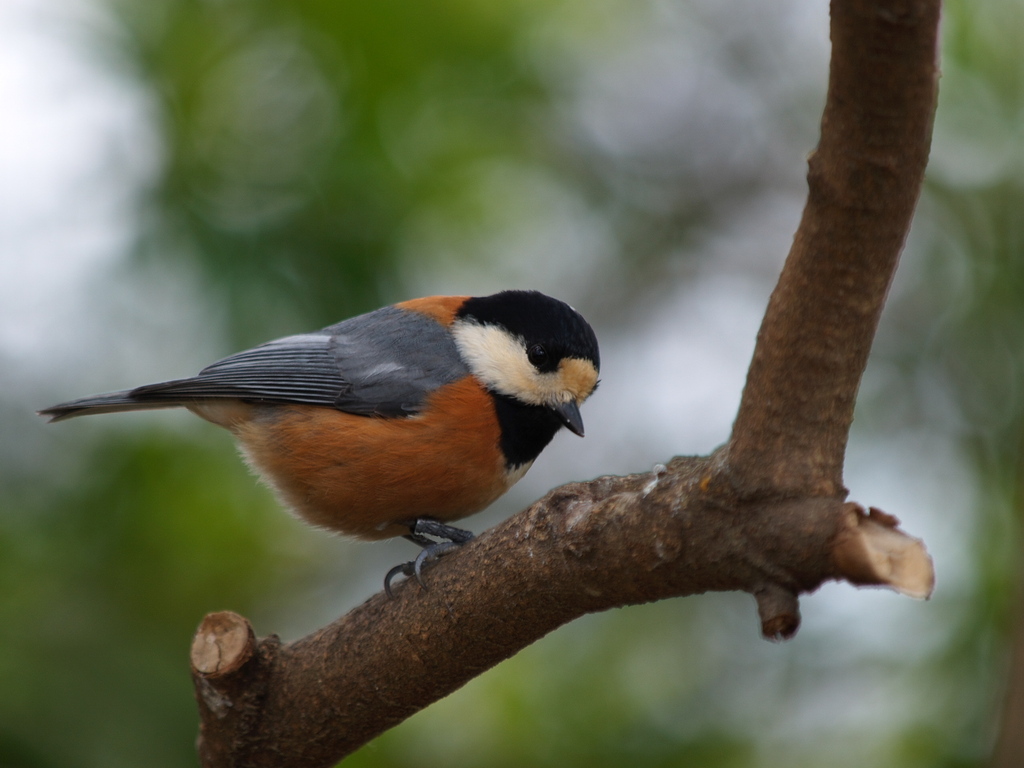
(498, 359)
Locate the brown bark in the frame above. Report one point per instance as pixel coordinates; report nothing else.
(765, 514)
(1009, 746)
(864, 180)
(1009, 750)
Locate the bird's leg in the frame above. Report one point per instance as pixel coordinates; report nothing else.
(423, 541)
(424, 526)
(419, 532)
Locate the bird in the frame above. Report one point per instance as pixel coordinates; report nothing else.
(399, 421)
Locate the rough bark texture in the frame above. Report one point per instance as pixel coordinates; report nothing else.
(864, 180)
(766, 514)
(1009, 751)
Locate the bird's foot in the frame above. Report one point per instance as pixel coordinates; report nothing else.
(420, 531)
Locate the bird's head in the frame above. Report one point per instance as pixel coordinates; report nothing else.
(530, 347)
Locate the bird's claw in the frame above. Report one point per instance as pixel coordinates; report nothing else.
(432, 550)
(406, 569)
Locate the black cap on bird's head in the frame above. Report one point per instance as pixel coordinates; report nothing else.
(538, 319)
(532, 348)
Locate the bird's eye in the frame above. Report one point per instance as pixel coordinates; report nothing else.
(537, 355)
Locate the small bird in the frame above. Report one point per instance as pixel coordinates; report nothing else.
(398, 421)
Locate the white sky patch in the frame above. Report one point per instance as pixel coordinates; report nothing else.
(76, 150)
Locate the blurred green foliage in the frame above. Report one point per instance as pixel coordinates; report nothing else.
(105, 574)
(300, 139)
(301, 135)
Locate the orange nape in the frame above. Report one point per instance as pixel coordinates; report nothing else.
(440, 308)
(363, 476)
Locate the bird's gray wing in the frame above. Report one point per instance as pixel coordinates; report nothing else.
(383, 363)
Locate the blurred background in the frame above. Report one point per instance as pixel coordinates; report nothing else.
(184, 178)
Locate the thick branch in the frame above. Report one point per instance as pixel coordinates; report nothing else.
(865, 177)
(1009, 749)
(586, 547)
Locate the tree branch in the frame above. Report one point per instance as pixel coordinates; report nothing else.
(864, 180)
(585, 547)
(765, 514)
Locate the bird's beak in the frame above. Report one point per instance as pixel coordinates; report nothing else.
(569, 413)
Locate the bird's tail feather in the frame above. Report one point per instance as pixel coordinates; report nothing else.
(112, 402)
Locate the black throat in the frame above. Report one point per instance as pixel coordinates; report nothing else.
(525, 429)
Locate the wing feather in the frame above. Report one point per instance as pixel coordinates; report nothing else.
(382, 363)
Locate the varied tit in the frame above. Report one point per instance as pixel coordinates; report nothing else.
(397, 421)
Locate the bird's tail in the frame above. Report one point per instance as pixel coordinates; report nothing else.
(113, 402)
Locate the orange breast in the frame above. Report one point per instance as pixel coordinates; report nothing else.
(362, 475)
